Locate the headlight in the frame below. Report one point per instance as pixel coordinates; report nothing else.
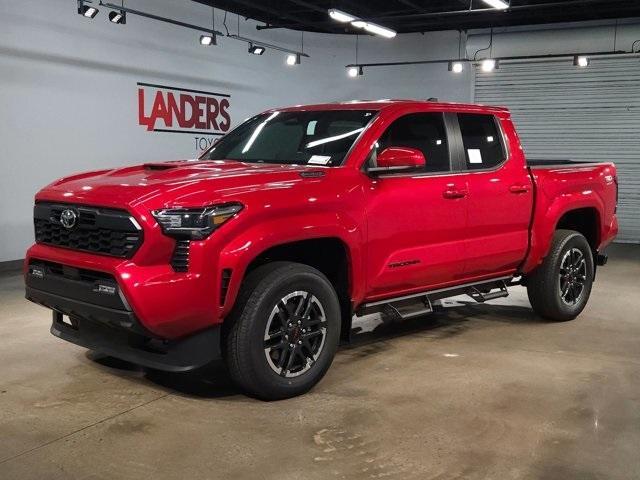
(194, 223)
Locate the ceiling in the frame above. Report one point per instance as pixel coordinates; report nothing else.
(407, 16)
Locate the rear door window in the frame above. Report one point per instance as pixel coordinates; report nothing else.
(482, 141)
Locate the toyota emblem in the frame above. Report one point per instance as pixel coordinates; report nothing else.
(68, 218)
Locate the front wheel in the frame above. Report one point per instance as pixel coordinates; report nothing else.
(559, 288)
(284, 331)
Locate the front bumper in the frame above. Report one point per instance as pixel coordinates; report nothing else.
(100, 318)
(182, 355)
(167, 303)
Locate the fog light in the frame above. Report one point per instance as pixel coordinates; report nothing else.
(36, 271)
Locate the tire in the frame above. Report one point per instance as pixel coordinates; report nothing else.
(282, 367)
(559, 288)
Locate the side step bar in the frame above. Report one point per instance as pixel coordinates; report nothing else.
(482, 295)
(413, 305)
(403, 310)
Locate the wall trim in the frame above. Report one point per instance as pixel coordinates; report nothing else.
(11, 266)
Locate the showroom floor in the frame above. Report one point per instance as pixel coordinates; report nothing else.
(480, 391)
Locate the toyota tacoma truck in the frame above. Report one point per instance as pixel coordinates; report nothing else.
(262, 251)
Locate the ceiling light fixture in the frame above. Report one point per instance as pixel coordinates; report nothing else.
(118, 17)
(497, 4)
(374, 28)
(456, 67)
(293, 59)
(581, 61)
(340, 16)
(379, 30)
(208, 40)
(354, 72)
(256, 49)
(86, 10)
(489, 65)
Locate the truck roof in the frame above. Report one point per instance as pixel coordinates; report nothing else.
(388, 102)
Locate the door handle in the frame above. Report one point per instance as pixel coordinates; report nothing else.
(519, 188)
(452, 193)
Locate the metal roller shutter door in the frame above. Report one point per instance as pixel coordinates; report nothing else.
(565, 112)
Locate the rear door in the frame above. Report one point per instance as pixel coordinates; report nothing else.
(416, 221)
(500, 195)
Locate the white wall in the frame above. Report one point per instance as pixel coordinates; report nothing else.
(68, 94)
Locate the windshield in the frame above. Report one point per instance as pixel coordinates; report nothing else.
(299, 137)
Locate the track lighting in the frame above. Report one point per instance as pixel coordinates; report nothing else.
(208, 40)
(86, 10)
(256, 49)
(208, 36)
(355, 71)
(293, 59)
(581, 61)
(456, 67)
(489, 65)
(118, 17)
(497, 4)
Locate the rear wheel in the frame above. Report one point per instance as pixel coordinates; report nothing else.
(560, 287)
(284, 331)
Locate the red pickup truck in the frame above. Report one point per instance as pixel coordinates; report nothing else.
(262, 250)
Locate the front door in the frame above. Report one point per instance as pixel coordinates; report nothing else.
(416, 221)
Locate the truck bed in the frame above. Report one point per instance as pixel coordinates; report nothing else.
(564, 185)
(544, 162)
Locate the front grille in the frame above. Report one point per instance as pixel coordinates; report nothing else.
(97, 230)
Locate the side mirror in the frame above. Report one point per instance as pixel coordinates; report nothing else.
(394, 159)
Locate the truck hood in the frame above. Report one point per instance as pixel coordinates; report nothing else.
(184, 183)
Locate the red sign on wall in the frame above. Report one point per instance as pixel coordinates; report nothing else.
(181, 110)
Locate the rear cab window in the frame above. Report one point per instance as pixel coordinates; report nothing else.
(482, 141)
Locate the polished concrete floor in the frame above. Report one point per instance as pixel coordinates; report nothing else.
(478, 391)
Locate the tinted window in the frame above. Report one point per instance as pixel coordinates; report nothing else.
(481, 139)
(423, 131)
(305, 137)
